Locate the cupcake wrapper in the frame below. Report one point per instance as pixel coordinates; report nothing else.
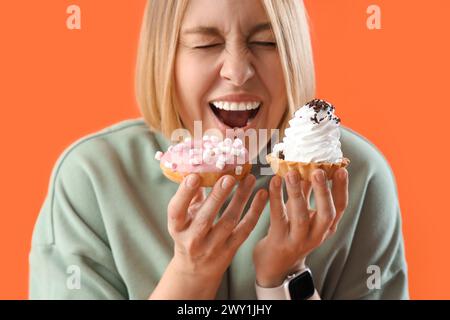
(281, 167)
(208, 179)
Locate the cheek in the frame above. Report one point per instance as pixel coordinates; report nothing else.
(191, 85)
(275, 78)
(275, 84)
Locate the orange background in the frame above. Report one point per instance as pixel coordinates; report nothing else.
(57, 85)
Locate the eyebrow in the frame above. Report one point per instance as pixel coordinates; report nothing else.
(215, 32)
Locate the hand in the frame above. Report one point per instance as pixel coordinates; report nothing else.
(204, 249)
(295, 230)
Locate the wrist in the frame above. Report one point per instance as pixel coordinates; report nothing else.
(272, 280)
(190, 270)
(179, 284)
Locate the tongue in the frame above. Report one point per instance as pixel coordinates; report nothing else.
(234, 119)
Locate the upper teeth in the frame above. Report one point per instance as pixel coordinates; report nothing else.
(236, 106)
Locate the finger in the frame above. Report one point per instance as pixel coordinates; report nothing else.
(297, 209)
(325, 208)
(248, 223)
(277, 209)
(200, 196)
(196, 202)
(179, 204)
(339, 190)
(222, 229)
(208, 211)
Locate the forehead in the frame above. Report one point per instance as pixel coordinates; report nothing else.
(225, 15)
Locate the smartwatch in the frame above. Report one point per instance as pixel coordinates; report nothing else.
(297, 286)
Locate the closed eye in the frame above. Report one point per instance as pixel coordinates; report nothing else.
(208, 46)
(264, 43)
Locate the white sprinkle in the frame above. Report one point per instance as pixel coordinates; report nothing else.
(220, 165)
(237, 143)
(222, 158)
(170, 165)
(214, 139)
(207, 153)
(170, 148)
(216, 150)
(205, 138)
(158, 155)
(228, 142)
(238, 170)
(187, 139)
(206, 158)
(194, 161)
(236, 152)
(226, 149)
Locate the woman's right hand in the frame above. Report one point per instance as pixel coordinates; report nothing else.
(204, 249)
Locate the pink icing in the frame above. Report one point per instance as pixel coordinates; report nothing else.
(207, 155)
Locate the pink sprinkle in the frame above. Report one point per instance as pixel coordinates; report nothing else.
(178, 147)
(208, 145)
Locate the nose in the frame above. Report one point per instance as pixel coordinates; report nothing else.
(236, 67)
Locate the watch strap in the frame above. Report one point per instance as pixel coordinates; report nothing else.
(277, 293)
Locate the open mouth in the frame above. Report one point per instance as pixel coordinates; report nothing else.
(235, 114)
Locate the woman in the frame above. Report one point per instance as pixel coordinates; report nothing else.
(112, 227)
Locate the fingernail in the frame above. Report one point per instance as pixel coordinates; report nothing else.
(320, 177)
(249, 181)
(192, 181)
(342, 174)
(293, 178)
(227, 182)
(263, 195)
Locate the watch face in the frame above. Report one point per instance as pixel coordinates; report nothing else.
(301, 287)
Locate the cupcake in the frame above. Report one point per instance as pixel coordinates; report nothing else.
(210, 158)
(311, 142)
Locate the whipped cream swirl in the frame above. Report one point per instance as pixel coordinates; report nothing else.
(313, 135)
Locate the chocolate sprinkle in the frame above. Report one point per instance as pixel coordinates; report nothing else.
(322, 105)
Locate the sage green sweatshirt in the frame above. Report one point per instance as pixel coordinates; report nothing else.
(102, 230)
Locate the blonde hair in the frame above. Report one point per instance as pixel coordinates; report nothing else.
(154, 84)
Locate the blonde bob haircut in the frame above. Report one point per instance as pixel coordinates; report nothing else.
(154, 83)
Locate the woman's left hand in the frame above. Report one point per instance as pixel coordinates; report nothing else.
(295, 230)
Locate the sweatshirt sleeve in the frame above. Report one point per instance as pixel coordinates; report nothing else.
(70, 257)
(376, 266)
